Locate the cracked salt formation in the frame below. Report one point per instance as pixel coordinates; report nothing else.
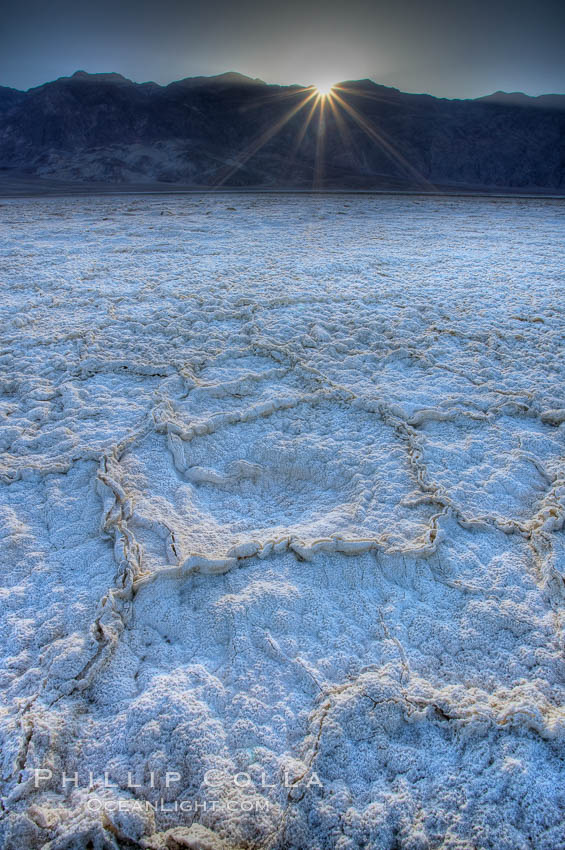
(283, 502)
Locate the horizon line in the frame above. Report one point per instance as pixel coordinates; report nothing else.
(259, 81)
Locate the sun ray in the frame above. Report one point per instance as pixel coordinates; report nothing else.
(320, 143)
(303, 130)
(262, 140)
(344, 89)
(263, 100)
(383, 143)
(301, 134)
(343, 130)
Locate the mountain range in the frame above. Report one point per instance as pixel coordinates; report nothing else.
(236, 132)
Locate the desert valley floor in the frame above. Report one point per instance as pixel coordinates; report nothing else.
(282, 497)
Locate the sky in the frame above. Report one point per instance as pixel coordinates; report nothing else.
(448, 49)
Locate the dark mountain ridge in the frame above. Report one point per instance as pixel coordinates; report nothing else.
(234, 131)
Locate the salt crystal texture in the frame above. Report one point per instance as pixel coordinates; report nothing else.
(282, 502)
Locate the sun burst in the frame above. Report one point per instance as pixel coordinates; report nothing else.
(323, 89)
(325, 107)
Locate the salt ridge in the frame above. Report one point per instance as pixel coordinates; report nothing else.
(283, 492)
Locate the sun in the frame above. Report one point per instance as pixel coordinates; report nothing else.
(323, 89)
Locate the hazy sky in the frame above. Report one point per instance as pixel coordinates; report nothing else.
(451, 49)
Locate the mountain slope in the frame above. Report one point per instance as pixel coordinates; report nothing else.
(235, 131)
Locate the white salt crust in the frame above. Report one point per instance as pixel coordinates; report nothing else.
(283, 496)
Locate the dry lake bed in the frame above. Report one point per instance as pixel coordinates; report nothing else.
(282, 496)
